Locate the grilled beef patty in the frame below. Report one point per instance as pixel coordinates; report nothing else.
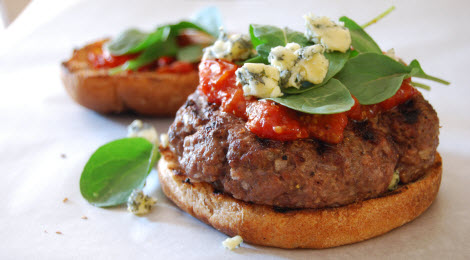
(215, 147)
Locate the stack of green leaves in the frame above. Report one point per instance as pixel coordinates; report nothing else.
(163, 41)
(364, 71)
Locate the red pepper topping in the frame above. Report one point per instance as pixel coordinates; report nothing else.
(405, 92)
(99, 58)
(270, 120)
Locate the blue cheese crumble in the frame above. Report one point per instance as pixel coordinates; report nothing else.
(283, 58)
(140, 204)
(233, 242)
(139, 129)
(233, 47)
(322, 30)
(312, 66)
(259, 80)
(297, 64)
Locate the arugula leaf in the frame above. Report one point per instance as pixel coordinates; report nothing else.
(331, 98)
(373, 77)
(126, 41)
(336, 63)
(116, 169)
(265, 37)
(361, 41)
(210, 19)
(191, 53)
(417, 71)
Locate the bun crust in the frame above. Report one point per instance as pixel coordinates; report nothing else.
(146, 93)
(305, 228)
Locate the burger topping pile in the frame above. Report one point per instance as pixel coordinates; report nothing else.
(170, 48)
(290, 85)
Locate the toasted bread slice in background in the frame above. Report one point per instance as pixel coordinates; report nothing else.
(147, 93)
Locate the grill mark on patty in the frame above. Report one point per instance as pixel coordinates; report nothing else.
(322, 147)
(364, 130)
(409, 111)
(263, 142)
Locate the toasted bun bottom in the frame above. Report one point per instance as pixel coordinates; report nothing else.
(304, 228)
(147, 93)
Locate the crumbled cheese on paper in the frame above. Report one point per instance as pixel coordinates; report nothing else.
(232, 242)
(139, 129)
(139, 203)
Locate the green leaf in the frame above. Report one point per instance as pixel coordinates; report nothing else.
(353, 54)
(210, 19)
(331, 98)
(160, 43)
(176, 28)
(115, 169)
(257, 59)
(161, 34)
(417, 71)
(361, 41)
(157, 50)
(130, 45)
(126, 41)
(372, 77)
(265, 37)
(191, 53)
(336, 63)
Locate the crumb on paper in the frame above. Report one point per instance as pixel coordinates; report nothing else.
(45, 231)
(58, 233)
(232, 242)
(65, 200)
(84, 217)
(140, 129)
(63, 155)
(139, 203)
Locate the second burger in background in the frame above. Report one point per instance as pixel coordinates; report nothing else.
(150, 73)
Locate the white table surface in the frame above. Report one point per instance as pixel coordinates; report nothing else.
(40, 122)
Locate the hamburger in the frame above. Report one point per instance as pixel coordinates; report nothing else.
(300, 147)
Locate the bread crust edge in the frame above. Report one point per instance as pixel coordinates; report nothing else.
(146, 93)
(304, 228)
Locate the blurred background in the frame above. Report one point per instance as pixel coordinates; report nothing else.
(9, 10)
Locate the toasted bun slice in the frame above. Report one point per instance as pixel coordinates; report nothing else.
(305, 228)
(147, 93)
